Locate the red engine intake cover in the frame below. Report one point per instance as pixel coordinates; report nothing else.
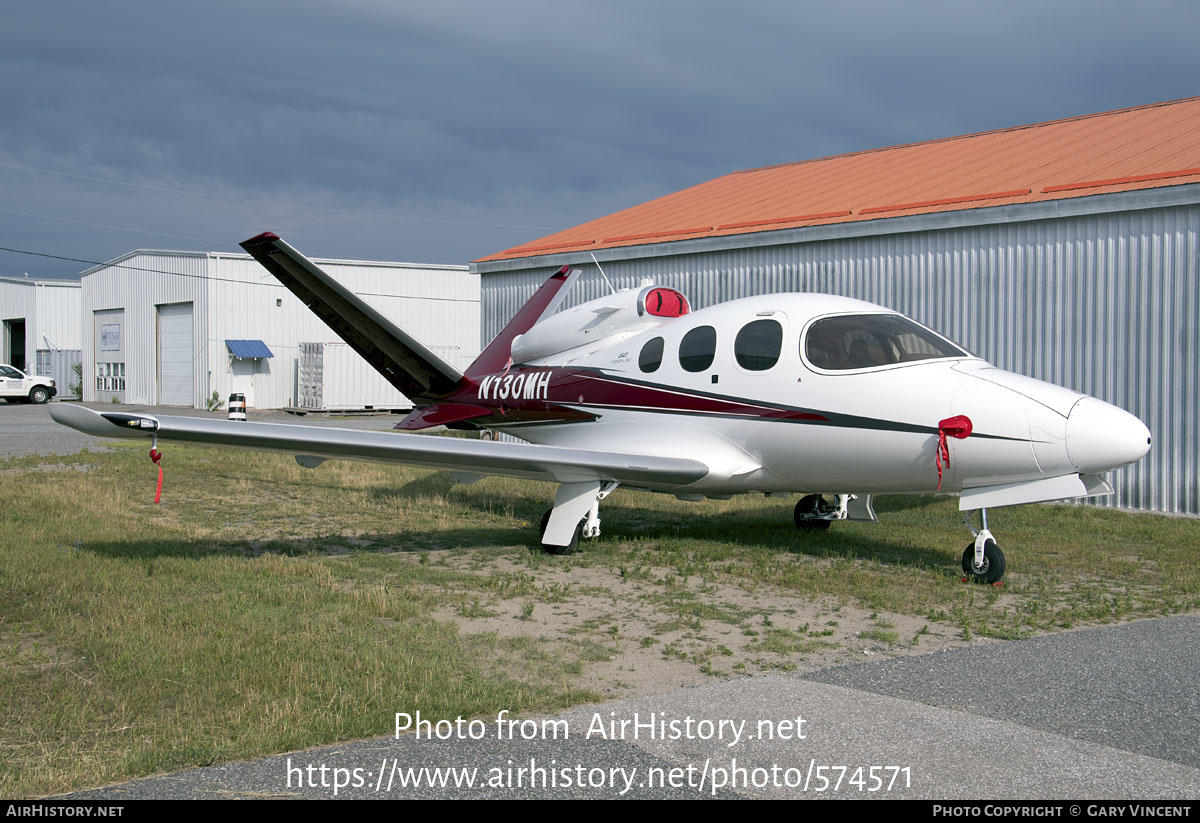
(664, 302)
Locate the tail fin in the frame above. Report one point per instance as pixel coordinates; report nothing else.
(545, 301)
(400, 358)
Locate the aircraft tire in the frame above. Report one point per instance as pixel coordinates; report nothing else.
(567, 549)
(808, 506)
(993, 563)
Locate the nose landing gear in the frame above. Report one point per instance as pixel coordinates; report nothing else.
(982, 560)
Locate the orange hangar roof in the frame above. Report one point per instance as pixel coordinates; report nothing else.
(1139, 148)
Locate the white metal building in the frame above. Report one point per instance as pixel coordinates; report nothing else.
(40, 329)
(171, 328)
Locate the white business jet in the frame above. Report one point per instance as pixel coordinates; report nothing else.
(830, 397)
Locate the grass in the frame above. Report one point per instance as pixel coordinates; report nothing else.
(233, 621)
(265, 608)
(881, 635)
(786, 642)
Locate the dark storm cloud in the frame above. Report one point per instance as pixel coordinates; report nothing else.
(480, 117)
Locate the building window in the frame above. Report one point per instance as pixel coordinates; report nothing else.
(110, 377)
(758, 344)
(697, 348)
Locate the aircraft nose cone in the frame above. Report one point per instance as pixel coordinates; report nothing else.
(1102, 437)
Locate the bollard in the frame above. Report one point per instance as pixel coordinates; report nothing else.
(237, 407)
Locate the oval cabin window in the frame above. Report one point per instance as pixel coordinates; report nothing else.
(697, 348)
(758, 344)
(651, 356)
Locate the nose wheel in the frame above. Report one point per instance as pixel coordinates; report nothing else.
(982, 560)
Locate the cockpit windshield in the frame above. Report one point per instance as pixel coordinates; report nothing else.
(864, 341)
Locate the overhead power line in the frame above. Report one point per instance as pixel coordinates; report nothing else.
(267, 283)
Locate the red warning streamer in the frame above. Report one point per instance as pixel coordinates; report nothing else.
(958, 426)
(156, 457)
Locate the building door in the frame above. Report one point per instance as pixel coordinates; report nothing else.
(176, 355)
(109, 381)
(242, 382)
(14, 349)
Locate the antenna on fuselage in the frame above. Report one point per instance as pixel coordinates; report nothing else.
(602, 274)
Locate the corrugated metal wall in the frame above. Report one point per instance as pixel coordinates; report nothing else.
(60, 364)
(1106, 304)
(58, 316)
(137, 285)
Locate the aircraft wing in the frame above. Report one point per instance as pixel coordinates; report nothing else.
(311, 445)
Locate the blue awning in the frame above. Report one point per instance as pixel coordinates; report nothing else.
(246, 349)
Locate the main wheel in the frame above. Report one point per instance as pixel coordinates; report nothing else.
(567, 549)
(992, 570)
(806, 515)
(39, 394)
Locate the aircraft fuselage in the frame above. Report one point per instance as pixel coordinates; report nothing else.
(796, 419)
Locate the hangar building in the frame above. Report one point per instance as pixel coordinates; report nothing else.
(171, 328)
(1068, 251)
(40, 328)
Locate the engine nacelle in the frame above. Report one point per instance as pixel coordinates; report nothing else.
(626, 312)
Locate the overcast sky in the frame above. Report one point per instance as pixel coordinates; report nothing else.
(440, 132)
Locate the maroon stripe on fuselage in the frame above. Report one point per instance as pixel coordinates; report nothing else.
(580, 387)
(615, 393)
(561, 392)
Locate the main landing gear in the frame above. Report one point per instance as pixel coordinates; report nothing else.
(814, 513)
(982, 560)
(575, 516)
(571, 546)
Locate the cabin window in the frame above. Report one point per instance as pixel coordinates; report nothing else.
(757, 345)
(651, 356)
(697, 348)
(864, 341)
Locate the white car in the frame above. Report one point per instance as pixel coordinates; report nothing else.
(18, 387)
